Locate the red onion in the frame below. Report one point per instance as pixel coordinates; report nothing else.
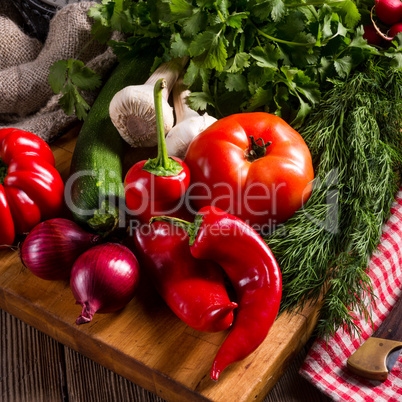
(51, 248)
(104, 279)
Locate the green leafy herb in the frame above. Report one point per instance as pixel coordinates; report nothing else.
(274, 55)
(69, 77)
(110, 16)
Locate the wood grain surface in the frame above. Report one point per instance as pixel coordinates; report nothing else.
(144, 344)
(36, 368)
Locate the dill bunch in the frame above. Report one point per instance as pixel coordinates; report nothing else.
(324, 250)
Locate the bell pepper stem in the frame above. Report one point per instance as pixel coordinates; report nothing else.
(162, 159)
(191, 228)
(162, 165)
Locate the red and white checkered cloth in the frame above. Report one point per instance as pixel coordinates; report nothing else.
(325, 365)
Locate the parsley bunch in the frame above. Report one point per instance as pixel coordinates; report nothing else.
(274, 55)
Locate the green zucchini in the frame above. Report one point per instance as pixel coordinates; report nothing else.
(95, 190)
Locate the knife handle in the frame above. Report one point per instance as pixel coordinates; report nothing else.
(391, 327)
(370, 359)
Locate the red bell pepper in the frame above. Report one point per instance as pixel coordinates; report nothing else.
(157, 186)
(193, 289)
(31, 189)
(7, 231)
(253, 271)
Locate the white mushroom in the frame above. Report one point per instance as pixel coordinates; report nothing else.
(188, 122)
(132, 109)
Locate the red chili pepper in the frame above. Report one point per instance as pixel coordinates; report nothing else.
(193, 289)
(157, 186)
(31, 189)
(253, 271)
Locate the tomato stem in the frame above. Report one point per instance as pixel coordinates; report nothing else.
(255, 150)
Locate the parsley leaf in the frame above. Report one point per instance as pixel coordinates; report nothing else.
(200, 100)
(236, 82)
(68, 77)
(238, 63)
(209, 50)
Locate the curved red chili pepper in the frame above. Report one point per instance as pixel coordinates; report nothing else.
(253, 271)
(193, 289)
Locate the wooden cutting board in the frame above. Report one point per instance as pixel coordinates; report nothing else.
(145, 342)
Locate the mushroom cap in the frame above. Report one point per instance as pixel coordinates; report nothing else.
(132, 111)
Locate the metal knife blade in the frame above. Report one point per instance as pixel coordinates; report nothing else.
(376, 357)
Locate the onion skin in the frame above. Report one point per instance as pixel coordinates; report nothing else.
(104, 279)
(51, 248)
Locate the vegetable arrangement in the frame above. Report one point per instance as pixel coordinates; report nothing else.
(317, 196)
(186, 269)
(287, 58)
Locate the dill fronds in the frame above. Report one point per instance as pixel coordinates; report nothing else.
(324, 249)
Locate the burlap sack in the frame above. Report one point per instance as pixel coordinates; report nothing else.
(15, 46)
(26, 99)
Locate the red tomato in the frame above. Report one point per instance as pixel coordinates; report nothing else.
(252, 165)
(32, 189)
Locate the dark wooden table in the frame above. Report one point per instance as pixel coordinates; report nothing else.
(36, 368)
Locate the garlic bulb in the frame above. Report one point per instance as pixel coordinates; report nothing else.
(133, 114)
(188, 122)
(132, 109)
